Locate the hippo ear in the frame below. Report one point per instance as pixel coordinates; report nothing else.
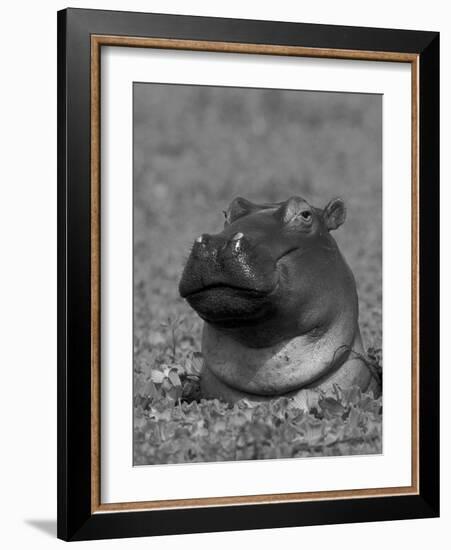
(334, 214)
(238, 207)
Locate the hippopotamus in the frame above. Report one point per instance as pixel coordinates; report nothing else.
(279, 304)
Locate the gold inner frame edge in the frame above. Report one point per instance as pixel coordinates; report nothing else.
(97, 41)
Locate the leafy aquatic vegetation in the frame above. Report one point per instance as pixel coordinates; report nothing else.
(172, 426)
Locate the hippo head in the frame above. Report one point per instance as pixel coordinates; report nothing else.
(272, 273)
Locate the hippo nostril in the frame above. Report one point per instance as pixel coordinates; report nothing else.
(237, 242)
(200, 246)
(202, 239)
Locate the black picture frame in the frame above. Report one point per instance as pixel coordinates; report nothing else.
(76, 520)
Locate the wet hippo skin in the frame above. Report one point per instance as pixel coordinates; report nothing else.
(279, 303)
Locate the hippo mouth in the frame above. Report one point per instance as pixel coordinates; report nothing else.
(229, 305)
(229, 302)
(188, 291)
(225, 287)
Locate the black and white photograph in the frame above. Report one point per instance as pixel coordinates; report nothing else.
(257, 268)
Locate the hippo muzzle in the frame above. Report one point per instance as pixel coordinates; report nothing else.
(229, 278)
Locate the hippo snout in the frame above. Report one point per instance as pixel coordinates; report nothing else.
(227, 276)
(220, 261)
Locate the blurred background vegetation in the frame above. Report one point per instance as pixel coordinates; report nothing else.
(195, 149)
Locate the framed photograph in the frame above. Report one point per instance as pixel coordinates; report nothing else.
(248, 274)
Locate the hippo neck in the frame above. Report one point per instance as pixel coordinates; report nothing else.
(302, 361)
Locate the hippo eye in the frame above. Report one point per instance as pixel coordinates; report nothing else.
(306, 215)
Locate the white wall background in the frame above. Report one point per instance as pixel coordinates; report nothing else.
(28, 271)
